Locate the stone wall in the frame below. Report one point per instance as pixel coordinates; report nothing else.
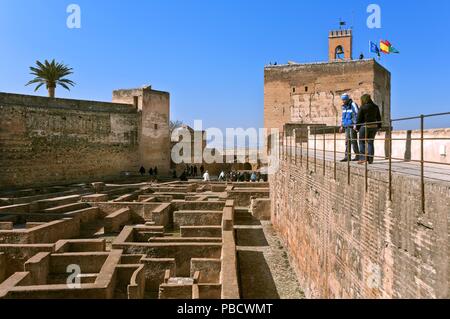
(47, 141)
(349, 243)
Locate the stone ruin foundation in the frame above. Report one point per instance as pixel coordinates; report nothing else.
(131, 241)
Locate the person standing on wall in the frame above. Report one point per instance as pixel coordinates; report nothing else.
(195, 171)
(350, 111)
(368, 124)
(142, 171)
(150, 172)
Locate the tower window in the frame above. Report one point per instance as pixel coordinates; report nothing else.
(339, 53)
(306, 89)
(155, 126)
(293, 90)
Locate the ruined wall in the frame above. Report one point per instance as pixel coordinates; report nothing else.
(46, 141)
(349, 243)
(154, 145)
(310, 93)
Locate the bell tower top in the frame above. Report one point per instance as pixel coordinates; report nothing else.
(340, 45)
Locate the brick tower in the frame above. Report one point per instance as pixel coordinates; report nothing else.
(340, 45)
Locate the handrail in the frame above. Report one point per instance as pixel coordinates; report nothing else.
(326, 131)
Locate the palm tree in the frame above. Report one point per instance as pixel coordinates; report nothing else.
(51, 74)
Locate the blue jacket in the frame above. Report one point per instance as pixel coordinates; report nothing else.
(350, 114)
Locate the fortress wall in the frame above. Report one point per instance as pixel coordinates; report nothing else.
(46, 141)
(349, 243)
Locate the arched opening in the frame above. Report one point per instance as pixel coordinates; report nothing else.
(339, 53)
(248, 167)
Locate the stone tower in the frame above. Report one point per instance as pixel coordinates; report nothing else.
(309, 93)
(154, 136)
(340, 45)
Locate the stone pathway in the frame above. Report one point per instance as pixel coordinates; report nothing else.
(432, 172)
(264, 268)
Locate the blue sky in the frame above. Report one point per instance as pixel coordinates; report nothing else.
(210, 54)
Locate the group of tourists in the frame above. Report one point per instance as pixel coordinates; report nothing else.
(189, 171)
(236, 176)
(364, 121)
(152, 171)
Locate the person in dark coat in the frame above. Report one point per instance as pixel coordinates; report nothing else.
(142, 171)
(368, 124)
(202, 170)
(150, 172)
(195, 171)
(183, 177)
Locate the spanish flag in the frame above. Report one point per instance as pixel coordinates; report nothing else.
(387, 48)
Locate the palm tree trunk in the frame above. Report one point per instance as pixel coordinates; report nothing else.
(51, 92)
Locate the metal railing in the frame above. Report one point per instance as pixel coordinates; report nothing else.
(290, 152)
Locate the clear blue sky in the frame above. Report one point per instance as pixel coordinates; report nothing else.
(210, 54)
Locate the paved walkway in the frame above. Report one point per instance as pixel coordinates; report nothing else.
(264, 268)
(432, 172)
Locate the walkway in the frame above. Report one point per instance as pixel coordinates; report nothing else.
(264, 268)
(432, 172)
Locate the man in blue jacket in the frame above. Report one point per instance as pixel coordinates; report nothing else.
(350, 112)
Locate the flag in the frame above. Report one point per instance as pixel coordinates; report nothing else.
(387, 48)
(374, 48)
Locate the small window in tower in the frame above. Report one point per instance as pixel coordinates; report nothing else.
(156, 126)
(339, 53)
(306, 89)
(293, 90)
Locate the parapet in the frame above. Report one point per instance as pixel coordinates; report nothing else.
(9, 99)
(340, 33)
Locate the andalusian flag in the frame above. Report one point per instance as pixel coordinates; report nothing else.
(387, 48)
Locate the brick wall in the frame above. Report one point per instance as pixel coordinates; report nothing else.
(46, 141)
(349, 243)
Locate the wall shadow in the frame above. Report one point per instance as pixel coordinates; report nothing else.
(251, 237)
(256, 280)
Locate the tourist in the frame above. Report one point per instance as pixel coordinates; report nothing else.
(368, 124)
(202, 170)
(183, 177)
(150, 172)
(142, 171)
(350, 112)
(253, 178)
(206, 177)
(222, 176)
(195, 171)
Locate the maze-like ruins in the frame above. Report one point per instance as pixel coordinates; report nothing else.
(127, 241)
